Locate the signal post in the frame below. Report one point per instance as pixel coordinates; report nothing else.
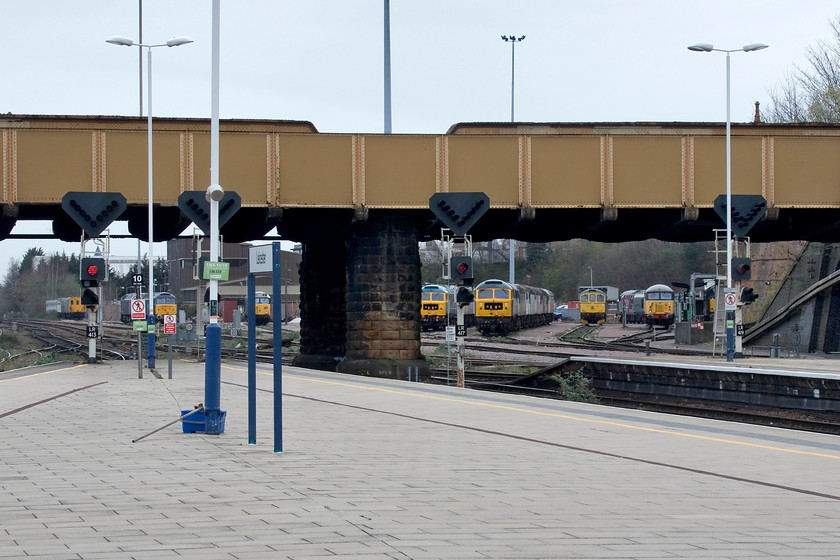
(461, 270)
(93, 271)
(459, 212)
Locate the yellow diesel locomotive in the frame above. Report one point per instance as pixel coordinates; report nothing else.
(593, 306)
(262, 308)
(66, 308)
(659, 306)
(501, 307)
(438, 308)
(434, 307)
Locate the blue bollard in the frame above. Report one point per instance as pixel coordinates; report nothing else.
(213, 379)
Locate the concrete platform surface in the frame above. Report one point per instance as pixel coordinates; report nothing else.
(381, 469)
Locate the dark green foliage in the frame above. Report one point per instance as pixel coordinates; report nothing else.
(575, 386)
(28, 284)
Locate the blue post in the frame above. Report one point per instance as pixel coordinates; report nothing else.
(213, 379)
(150, 323)
(730, 336)
(277, 317)
(252, 360)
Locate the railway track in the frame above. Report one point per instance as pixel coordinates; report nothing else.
(533, 371)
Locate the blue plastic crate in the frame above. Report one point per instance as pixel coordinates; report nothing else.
(196, 422)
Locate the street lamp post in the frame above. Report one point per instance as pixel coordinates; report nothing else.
(512, 40)
(126, 42)
(730, 315)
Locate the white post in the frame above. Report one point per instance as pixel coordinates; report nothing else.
(214, 157)
(151, 309)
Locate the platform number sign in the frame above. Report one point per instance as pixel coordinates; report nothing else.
(137, 279)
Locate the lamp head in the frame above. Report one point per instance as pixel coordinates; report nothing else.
(754, 47)
(214, 192)
(119, 40)
(178, 41)
(701, 47)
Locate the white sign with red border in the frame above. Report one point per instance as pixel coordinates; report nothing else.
(729, 300)
(169, 324)
(138, 309)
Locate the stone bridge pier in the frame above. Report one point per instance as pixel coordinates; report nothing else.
(360, 299)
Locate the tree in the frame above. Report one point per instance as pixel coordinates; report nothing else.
(811, 93)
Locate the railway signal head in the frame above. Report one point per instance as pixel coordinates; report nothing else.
(93, 211)
(741, 268)
(748, 296)
(459, 211)
(460, 268)
(464, 296)
(89, 298)
(93, 271)
(746, 211)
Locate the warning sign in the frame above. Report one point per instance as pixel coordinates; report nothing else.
(729, 301)
(138, 309)
(169, 324)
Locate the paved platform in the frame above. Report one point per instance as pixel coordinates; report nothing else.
(381, 469)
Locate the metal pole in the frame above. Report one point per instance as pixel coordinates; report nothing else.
(461, 350)
(213, 351)
(387, 67)
(730, 315)
(512, 244)
(140, 70)
(151, 310)
(512, 48)
(276, 283)
(252, 360)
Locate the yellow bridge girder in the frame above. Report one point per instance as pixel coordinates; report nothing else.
(289, 164)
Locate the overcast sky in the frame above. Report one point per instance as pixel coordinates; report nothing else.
(322, 61)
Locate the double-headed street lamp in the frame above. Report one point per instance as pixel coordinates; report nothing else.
(126, 42)
(730, 321)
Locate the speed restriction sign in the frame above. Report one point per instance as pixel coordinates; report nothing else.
(169, 324)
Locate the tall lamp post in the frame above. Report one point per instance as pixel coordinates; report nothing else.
(512, 40)
(730, 315)
(126, 42)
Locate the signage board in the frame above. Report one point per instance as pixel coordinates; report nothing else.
(139, 326)
(729, 299)
(92, 331)
(259, 258)
(169, 324)
(450, 333)
(138, 309)
(216, 271)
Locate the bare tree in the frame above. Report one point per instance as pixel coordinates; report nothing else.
(811, 93)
